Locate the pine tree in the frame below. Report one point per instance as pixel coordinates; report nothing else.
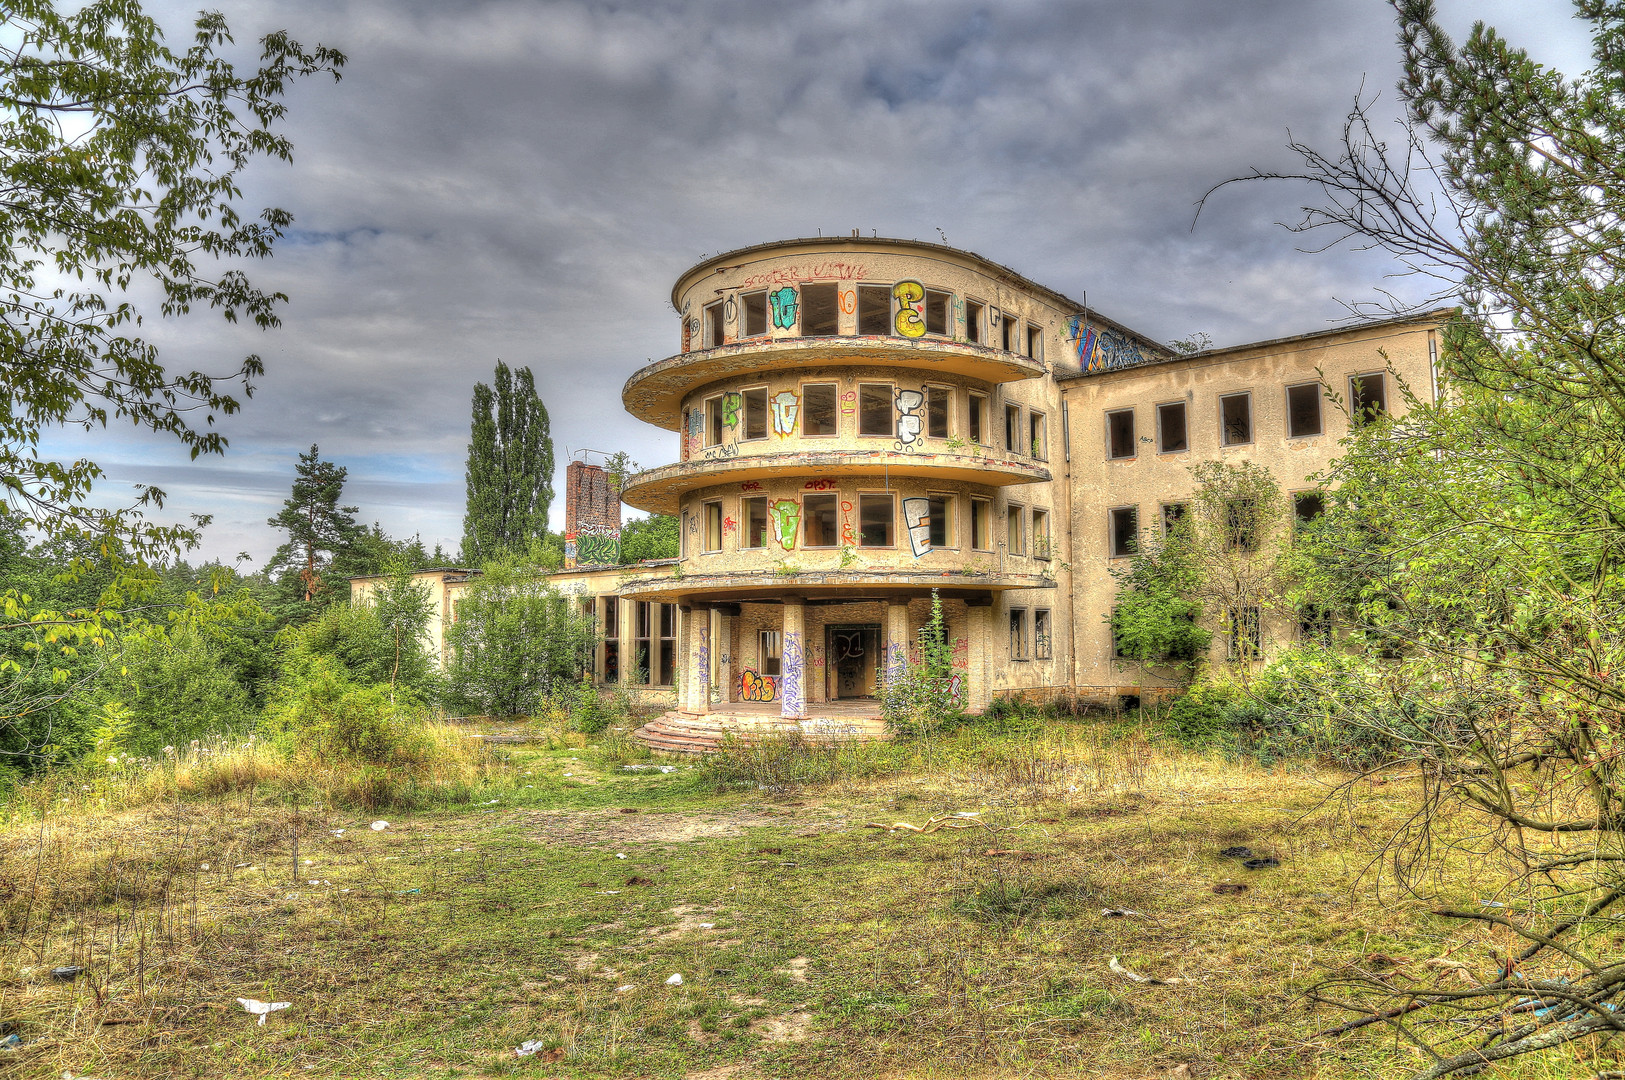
(318, 527)
(510, 468)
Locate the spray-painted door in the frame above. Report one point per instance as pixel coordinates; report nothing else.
(853, 664)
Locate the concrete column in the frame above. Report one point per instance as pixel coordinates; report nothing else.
(897, 636)
(683, 670)
(697, 620)
(623, 635)
(722, 651)
(793, 679)
(982, 641)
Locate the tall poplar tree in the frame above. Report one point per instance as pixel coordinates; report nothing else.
(318, 527)
(510, 467)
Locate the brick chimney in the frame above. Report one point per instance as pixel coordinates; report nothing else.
(592, 517)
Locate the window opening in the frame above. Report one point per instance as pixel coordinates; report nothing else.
(1041, 635)
(821, 519)
(941, 518)
(1172, 515)
(1015, 532)
(938, 401)
(1125, 528)
(1041, 543)
(754, 511)
(981, 532)
(818, 409)
(769, 653)
(668, 644)
(875, 409)
(820, 310)
(642, 627)
(1246, 634)
(754, 309)
(1241, 524)
(1039, 435)
(1012, 428)
(1018, 633)
(1009, 333)
(1236, 419)
(1171, 435)
(1035, 342)
(1120, 434)
(713, 421)
(978, 419)
(1368, 398)
(713, 325)
(1307, 506)
(877, 515)
(1315, 624)
(713, 526)
(973, 322)
(936, 311)
(755, 407)
(1303, 410)
(874, 309)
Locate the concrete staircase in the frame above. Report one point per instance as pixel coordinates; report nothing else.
(679, 732)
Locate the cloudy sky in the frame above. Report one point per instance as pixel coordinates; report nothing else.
(525, 179)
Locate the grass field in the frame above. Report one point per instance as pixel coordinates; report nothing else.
(549, 892)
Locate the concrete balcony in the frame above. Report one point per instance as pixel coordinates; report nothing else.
(659, 490)
(655, 393)
(830, 586)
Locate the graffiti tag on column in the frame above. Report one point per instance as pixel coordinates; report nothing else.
(786, 515)
(849, 301)
(790, 682)
(849, 402)
(729, 525)
(754, 687)
(917, 517)
(786, 409)
(908, 416)
(702, 663)
(847, 535)
(696, 431)
(730, 409)
(783, 303)
(909, 295)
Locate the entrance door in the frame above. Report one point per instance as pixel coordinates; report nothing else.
(853, 661)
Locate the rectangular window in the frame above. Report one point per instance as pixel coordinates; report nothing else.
(1368, 398)
(769, 653)
(1307, 506)
(820, 310)
(874, 309)
(713, 421)
(1042, 649)
(1303, 410)
(973, 322)
(1041, 547)
(941, 519)
(1015, 529)
(981, 525)
(821, 519)
(1125, 529)
(877, 517)
(1009, 333)
(713, 325)
(938, 403)
(1171, 435)
(1315, 624)
(668, 644)
(1236, 419)
(612, 639)
(754, 511)
(1012, 428)
(642, 639)
(936, 311)
(1038, 435)
(875, 410)
(978, 419)
(1120, 441)
(753, 314)
(755, 409)
(713, 526)
(818, 409)
(1241, 524)
(1246, 633)
(1035, 342)
(1172, 515)
(1018, 633)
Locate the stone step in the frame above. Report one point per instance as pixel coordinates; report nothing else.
(678, 732)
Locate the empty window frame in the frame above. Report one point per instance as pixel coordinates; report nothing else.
(877, 520)
(821, 520)
(769, 653)
(1120, 441)
(978, 419)
(1307, 506)
(1236, 419)
(981, 525)
(668, 644)
(1012, 428)
(1018, 634)
(874, 309)
(1246, 637)
(1241, 524)
(1173, 437)
(711, 516)
(1368, 397)
(1303, 410)
(1172, 515)
(1038, 435)
(875, 410)
(1315, 624)
(937, 306)
(713, 325)
(753, 314)
(819, 410)
(612, 639)
(973, 322)
(1124, 525)
(1043, 648)
(820, 310)
(754, 406)
(1041, 538)
(1015, 529)
(1009, 333)
(939, 401)
(753, 511)
(713, 421)
(1035, 342)
(642, 640)
(941, 521)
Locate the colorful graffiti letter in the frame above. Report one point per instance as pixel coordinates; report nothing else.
(786, 410)
(787, 520)
(908, 321)
(917, 516)
(754, 687)
(730, 409)
(1106, 350)
(783, 303)
(597, 549)
(790, 682)
(908, 416)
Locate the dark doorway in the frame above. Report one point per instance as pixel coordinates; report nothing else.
(853, 661)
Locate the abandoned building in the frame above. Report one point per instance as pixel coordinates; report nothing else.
(861, 422)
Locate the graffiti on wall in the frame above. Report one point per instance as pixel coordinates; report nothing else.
(786, 275)
(730, 409)
(782, 302)
(847, 535)
(824, 484)
(696, 431)
(754, 687)
(1104, 350)
(917, 517)
(786, 410)
(910, 297)
(790, 682)
(702, 662)
(908, 416)
(849, 402)
(594, 549)
(786, 515)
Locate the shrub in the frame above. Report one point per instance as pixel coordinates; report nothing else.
(175, 687)
(322, 715)
(517, 642)
(587, 712)
(920, 699)
(1200, 717)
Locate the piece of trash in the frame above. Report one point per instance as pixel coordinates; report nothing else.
(1265, 862)
(1227, 888)
(66, 972)
(12, 1041)
(379, 826)
(708, 926)
(406, 892)
(1237, 853)
(536, 1046)
(262, 1009)
(1117, 966)
(1491, 903)
(657, 768)
(624, 989)
(620, 855)
(635, 880)
(675, 980)
(338, 832)
(203, 866)
(1122, 913)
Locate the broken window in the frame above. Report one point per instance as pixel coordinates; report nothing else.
(1303, 410)
(1042, 648)
(1241, 524)
(1125, 531)
(936, 311)
(820, 311)
(1307, 506)
(612, 639)
(1041, 533)
(713, 526)
(1120, 434)
(938, 400)
(973, 322)
(713, 421)
(1035, 342)
(755, 409)
(978, 419)
(877, 516)
(769, 653)
(753, 308)
(1315, 624)
(1246, 633)
(754, 511)
(874, 309)
(668, 644)
(1172, 515)
(981, 529)
(1236, 419)
(1009, 333)
(1018, 633)
(1012, 428)
(713, 325)
(821, 519)
(818, 409)
(642, 639)
(875, 409)
(941, 518)
(1171, 434)
(1015, 531)
(1368, 398)
(1038, 435)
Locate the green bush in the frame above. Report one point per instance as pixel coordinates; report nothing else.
(175, 687)
(918, 699)
(321, 714)
(587, 712)
(1200, 717)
